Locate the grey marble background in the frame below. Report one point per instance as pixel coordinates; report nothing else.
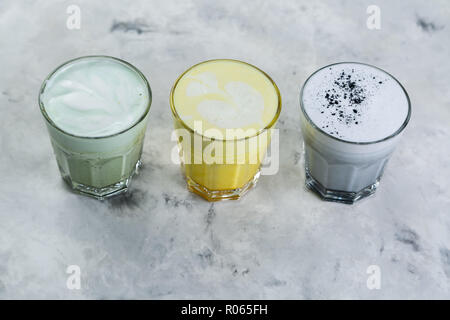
(280, 241)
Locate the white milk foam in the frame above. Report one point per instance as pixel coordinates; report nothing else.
(95, 96)
(241, 105)
(355, 102)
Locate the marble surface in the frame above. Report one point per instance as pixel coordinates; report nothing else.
(280, 241)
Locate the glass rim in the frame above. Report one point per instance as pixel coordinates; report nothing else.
(267, 127)
(133, 68)
(396, 133)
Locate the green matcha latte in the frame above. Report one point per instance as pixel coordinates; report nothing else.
(96, 110)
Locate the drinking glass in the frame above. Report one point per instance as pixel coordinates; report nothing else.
(103, 166)
(340, 170)
(231, 174)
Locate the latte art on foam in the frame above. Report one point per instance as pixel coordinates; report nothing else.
(95, 97)
(239, 105)
(226, 94)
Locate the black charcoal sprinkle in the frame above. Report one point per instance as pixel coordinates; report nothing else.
(345, 99)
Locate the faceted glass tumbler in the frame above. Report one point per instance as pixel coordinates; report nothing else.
(99, 167)
(343, 171)
(226, 180)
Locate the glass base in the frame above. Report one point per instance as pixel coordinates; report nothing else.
(103, 192)
(339, 196)
(219, 195)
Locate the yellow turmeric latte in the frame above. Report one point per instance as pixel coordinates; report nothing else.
(222, 110)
